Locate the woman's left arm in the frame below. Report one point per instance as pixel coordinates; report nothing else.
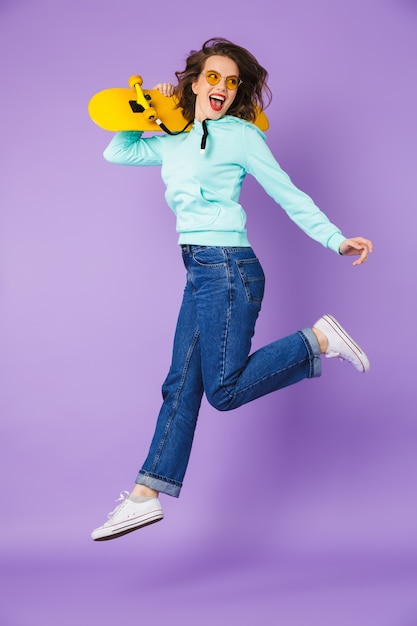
(297, 204)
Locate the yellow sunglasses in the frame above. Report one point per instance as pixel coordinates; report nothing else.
(213, 78)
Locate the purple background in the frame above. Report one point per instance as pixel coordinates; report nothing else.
(299, 509)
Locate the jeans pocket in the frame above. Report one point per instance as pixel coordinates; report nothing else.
(209, 256)
(253, 279)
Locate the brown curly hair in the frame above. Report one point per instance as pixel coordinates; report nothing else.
(252, 92)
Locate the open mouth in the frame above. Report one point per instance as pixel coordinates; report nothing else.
(217, 102)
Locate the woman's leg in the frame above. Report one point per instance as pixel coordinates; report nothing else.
(182, 391)
(228, 285)
(170, 449)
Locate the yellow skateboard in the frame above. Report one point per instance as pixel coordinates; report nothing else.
(136, 109)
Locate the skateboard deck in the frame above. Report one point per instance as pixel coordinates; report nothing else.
(133, 108)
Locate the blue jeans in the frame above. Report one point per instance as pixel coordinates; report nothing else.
(216, 323)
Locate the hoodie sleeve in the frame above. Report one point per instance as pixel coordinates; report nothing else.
(301, 209)
(129, 148)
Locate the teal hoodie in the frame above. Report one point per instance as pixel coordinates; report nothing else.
(203, 185)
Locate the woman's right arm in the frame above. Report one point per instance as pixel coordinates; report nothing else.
(129, 148)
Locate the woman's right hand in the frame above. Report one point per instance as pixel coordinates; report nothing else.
(166, 89)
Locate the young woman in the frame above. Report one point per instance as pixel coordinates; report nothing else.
(220, 91)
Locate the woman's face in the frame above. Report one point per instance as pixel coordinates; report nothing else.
(213, 101)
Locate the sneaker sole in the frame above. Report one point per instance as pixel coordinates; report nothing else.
(352, 345)
(126, 530)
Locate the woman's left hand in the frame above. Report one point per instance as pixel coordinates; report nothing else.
(357, 246)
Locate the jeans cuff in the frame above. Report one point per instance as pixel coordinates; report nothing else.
(158, 484)
(313, 348)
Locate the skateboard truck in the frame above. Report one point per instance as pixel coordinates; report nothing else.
(142, 104)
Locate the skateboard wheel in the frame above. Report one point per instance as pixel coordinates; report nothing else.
(135, 80)
(150, 114)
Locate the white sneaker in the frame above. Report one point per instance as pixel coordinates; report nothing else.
(341, 344)
(129, 516)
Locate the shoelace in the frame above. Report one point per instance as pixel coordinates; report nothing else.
(122, 499)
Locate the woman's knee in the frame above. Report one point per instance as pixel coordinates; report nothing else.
(220, 399)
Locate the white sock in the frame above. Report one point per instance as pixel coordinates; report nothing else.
(139, 499)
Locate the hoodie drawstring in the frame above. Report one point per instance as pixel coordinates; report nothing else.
(204, 138)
